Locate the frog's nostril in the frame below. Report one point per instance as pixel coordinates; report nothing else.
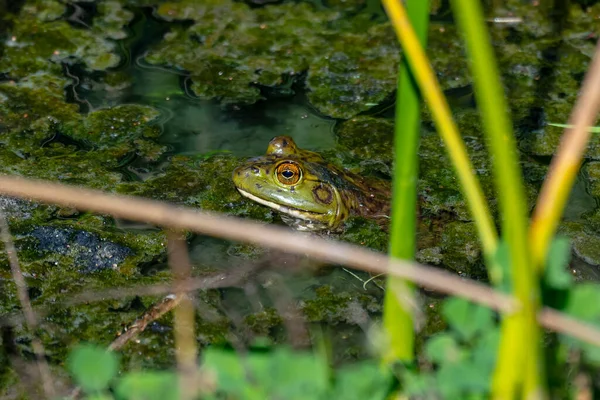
(255, 170)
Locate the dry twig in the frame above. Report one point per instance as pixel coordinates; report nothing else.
(274, 237)
(282, 239)
(186, 351)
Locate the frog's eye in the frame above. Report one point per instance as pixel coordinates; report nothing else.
(288, 173)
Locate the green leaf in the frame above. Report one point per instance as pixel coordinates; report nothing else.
(456, 381)
(149, 386)
(484, 353)
(99, 396)
(296, 375)
(366, 380)
(465, 318)
(278, 374)
(556, 272)
(92, 367)
(231, 373)
(584, 301)
(419, 385)
(443, 348)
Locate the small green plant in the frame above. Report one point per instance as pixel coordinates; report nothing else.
(263, 374)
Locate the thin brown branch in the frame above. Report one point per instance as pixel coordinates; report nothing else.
(30, 317)
(282, 239)
(566, 324)
(186, 350)
(274, 237)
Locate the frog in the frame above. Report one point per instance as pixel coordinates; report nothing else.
(310, 193)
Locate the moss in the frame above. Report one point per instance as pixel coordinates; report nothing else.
(262, 322)
(438, 185)
(327, 305)
(112, 17)
(46, 138)
(117, 131)
(36, 37)
(235, 47)
(592, 169)
(366, 233)
(461, 249)
(354, 73)
(542, 71)
(238, 49)
(430, 255)
(367, 137)
(584, 240)
(448, 56)
(347, 6)
(202, 183)
(24, 106)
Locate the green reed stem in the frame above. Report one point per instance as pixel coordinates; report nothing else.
(425, 78)
(520, 358)
(397, 315)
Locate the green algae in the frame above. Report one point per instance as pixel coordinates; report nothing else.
(232, 50)
(365, 233)
(543, 62)
(592, 170)
(25, 105)
(263, 322)
(36, 37)
(117, 131)
(204, 183)
(353, 72)
(327, 305)
(585, 240)
(111, 19)
(448, 56)
(367, 138)
(461, 248)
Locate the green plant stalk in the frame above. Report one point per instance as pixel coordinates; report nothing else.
(431, 92)
(520, 355)
(397, 316)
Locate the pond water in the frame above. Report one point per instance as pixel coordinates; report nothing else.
(163, 100)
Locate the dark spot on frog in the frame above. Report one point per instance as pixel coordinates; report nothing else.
(292, 189)
(255, 170)
(279, 191)
(258, 186)
(284, 143)
(323, 194)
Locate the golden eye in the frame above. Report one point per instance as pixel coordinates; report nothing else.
(288, 173)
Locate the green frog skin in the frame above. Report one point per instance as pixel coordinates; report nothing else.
(310, 193)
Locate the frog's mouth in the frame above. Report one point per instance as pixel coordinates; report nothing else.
(294, 212)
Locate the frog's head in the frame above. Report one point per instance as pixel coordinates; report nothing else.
(294, 182)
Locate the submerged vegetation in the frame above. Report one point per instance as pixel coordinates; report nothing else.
(163, 100)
